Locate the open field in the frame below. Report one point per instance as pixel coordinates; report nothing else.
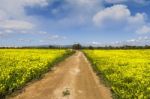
(17, 66)
(126, 71)
(74, 49)
(72, 78)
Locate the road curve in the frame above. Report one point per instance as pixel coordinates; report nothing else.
(71, 79)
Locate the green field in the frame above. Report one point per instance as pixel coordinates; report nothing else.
(18, 66)
(126, 71)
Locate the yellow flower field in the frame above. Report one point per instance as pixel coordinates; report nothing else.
(18, 66)
(126, 71)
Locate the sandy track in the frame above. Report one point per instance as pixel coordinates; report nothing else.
(75, 75)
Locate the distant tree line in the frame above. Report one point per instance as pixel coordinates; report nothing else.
(78, 47)
(38, 47)
(118, 47)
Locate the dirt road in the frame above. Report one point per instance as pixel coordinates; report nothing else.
(70, 79)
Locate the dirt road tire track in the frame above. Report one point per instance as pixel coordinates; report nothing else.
(75, 75)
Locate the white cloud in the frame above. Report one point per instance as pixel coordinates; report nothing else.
(16, 25)
(143, 2)
(80, 14)
(116, 13)
(35, 2)
(140, 41)
(2, 15)
(54, 37)
(131, 40)
(119, 16)
(95, 43)
(139, 18)
(5, 34)
(1, 34)
(8, 31)
(16, 8)
(33, 32)
(24, 40)
(50, 38)
(42, 41)
(143, 30)
(42, 32)
(13, 15)
(83, 3)
(115, 1)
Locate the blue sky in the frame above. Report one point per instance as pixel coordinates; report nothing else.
(89, 22)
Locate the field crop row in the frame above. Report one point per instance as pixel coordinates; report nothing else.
(126, 71)
(17, 67)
